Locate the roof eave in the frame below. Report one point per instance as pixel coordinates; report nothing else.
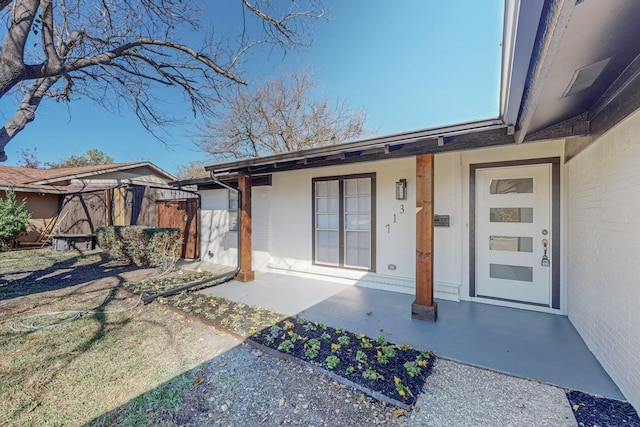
(366, 144)
(122, 167)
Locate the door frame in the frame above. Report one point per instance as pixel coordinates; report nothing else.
(555, 220)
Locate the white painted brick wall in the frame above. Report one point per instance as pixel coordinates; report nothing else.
(604, 251)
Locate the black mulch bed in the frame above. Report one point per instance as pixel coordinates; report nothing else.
(396, 371)
(591, 411)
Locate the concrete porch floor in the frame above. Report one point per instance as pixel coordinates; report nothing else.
(519, 342)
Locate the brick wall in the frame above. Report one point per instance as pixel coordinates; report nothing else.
(604, 251)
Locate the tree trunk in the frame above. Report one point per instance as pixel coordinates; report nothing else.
(26, 112)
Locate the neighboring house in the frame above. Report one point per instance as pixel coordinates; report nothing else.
(536, 209)
(79, 200)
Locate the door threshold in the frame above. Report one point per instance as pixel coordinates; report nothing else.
(521, 306)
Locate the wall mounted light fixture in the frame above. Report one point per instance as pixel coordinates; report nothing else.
(401, 189)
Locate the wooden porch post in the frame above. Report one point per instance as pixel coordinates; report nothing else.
(424, 308)
(246, 274)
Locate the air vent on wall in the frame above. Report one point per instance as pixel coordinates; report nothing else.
(584, 77)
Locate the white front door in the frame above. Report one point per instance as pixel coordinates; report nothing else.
(513, 234)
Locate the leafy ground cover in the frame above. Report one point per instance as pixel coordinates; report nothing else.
(242, 319)
(156, 285)
(394, 370)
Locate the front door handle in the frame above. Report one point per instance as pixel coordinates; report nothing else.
(545, 258)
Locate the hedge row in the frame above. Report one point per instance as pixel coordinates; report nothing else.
(143, 246)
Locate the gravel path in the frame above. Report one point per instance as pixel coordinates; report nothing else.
(461, 395)
(246, 387)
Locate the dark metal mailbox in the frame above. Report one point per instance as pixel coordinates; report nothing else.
(441, 221)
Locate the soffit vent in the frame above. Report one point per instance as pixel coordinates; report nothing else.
(584, 77)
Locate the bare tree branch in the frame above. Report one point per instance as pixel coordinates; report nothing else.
(280, 116)
(115, 51)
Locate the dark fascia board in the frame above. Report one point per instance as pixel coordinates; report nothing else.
(575, 126)
(555, 18)
(619, 101)
(488, 137)
(232, 180)
(368, 148)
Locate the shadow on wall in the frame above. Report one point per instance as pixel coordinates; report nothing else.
(216, 237)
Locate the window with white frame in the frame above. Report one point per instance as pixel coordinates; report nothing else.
(343, 225)
(233, 210)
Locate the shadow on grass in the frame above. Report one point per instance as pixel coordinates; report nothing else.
(62, 274)
(55, 356)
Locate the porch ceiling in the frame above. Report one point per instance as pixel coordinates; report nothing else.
(583, 48)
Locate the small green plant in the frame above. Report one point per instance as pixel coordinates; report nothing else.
(389, 351)
(311, 348)
(14, 218)
(288, 325)
(370, 374)
(293, 336)
(275, 328)
(325, 336)
(366, 343)
(361, 356)
(332, 362)
(412, 369)
(322, 326)
(382, 359)
(402, 389)
(420, 361)
(404, 346)
(381, 340)
(309, 327)
(343, 340)
(426, 354)
(285, 345)
(340, 330)
(301, 321)
(350, 370)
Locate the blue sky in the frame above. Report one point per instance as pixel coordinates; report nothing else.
(413, 64)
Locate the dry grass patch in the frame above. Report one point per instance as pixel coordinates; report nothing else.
(72, 374)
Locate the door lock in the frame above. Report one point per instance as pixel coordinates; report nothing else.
(545, 258)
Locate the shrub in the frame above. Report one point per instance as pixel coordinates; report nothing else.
(13, 218)
(145, 247)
